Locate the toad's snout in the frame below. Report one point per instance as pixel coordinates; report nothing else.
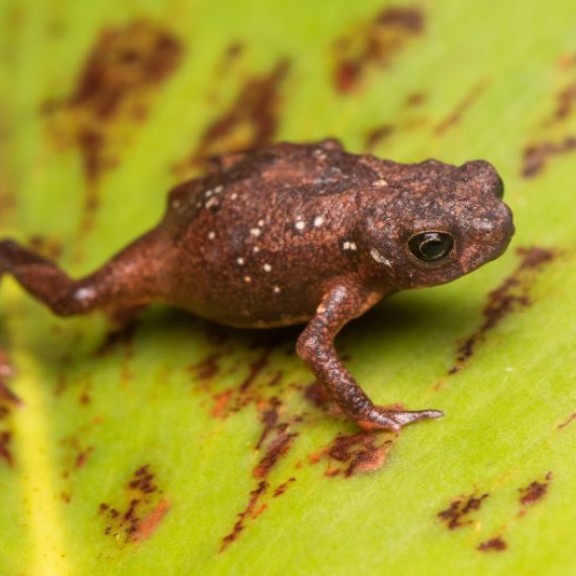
(491, 237)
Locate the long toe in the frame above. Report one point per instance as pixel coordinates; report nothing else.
(404, 418)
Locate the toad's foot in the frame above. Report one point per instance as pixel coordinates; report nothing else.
(380, 418)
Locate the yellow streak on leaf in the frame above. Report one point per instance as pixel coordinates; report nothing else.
(33, 446)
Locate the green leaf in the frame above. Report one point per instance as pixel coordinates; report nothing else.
(175, 446)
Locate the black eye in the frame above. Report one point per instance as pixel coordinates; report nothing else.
(431, 246)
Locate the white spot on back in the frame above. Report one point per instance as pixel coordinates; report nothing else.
(276, 289)
(379, 258)
(260, 222)
(347, 245)
(211, 235)
(247, 279)
(318, 221)
(240, 261)
(212, 202)
(381, 183)
(233, 196)
(267, 267)
(256, 249)
(255, 232)
(300, 224)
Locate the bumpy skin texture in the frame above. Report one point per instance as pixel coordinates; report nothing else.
(292, 234)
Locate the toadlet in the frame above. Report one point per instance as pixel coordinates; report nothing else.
(291, 234)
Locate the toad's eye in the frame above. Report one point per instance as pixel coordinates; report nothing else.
(431, 246)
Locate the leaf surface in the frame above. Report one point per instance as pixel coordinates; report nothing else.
(175, 446)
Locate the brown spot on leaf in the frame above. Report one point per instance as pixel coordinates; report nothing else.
(277, 447)
(317, 394)
(124, 61)
(251, 121)
(238, 396)
(415, 99)
(375, 137)
(207, 368)
(8, 194)
(565, 103)
(567, 61)
(256, 367)
(459, 512)
(84, 398)
(143, 480)
(281, 489)
(82, 457)
(222, 404)
(77, 452)
(122, 71)
(461, 108)
(496, 544)
(231, 54)
(47, 246)
(243, 516)
(143, 508)
(568, 421)
(5, 447)
(274, 442)
(566, 98)
(356, 453)
(535, 491)
(375, 42)
(536, 156)
(276, 379)
(269, 417)
(511, 296)
(553, 141)
(149, 523)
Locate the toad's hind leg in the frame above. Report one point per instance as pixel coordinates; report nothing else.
(128, 279)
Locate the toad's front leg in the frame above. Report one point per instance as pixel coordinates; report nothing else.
(316, 346)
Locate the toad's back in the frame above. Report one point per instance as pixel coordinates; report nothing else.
(254, 242)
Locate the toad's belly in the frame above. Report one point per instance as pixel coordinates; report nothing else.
(250, 304)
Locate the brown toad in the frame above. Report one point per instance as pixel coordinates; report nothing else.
(292, 234)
